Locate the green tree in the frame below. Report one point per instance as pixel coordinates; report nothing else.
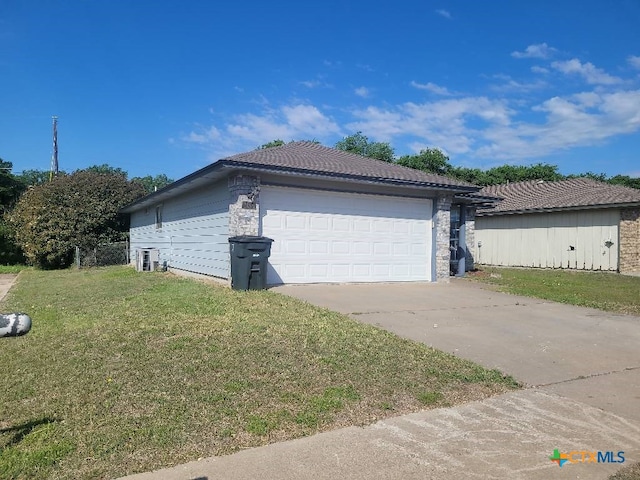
(360, 144)
(10, 252)
(428, 160)
(106, 169)
(31, 178)
(508, 174)
(271, 144)
(10, 186)
(80, 209)
(625, 180)
(151, 184)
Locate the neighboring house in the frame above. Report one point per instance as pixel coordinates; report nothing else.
(334, 217)
(577, 223)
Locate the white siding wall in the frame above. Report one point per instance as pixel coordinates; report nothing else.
(545, 240)
(194, 234)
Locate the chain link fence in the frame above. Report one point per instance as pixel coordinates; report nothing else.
(116, 253)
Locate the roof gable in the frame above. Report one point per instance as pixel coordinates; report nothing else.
(575, 193)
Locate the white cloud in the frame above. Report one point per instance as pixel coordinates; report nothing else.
(538, 69)
(246, 131)
(445, 123)
(540, 50)
(511, 85)
(497, 126)
(491, 128)
(634, 61)
(362, 92)
(431, 87)
(208, 135)
(307, 120)
(444, 13)
(584, 119)
(311, 83)
(592, 74)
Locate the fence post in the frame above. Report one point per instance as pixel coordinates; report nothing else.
(78, 257)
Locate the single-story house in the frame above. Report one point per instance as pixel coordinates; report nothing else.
(334, 217)
(577, 223)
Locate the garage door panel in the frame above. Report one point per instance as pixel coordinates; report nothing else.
(318, 247)
(340, 224)
(362, 248)
(339, 271)
(340, 237)
(319, 271)
(338, 248)
(402, 228)
(382, 226)
(362, 271)
(319, 223)
(295, 222)
(362, 226)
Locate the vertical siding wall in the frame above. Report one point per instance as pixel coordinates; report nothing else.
(194, 234)
(545, 240)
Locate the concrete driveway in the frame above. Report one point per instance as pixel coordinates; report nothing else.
(583, 353)
(582, 367)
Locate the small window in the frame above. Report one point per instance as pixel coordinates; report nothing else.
(159, 216)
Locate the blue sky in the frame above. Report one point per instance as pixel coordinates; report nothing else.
(171, 86)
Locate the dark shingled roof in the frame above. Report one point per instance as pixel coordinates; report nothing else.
(572, 194)
(307, 158)
(310, 157)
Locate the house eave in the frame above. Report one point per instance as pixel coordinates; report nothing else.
(351, 178)
(489, 213)
(220, 169)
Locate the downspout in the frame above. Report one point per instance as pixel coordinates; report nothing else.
(462, 242)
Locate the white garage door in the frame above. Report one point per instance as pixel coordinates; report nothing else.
(344, 237)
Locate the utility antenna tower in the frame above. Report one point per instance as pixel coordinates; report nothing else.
(54, 155)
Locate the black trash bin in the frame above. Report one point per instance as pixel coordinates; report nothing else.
(249, 256)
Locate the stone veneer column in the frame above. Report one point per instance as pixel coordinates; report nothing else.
(471, 237)
(442, 240)
(629, 260)
(244, 205)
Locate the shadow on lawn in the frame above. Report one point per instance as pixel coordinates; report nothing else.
(23, 430)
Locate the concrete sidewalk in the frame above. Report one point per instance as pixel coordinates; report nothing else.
(506, 437)
(6, 282)
(583, 367)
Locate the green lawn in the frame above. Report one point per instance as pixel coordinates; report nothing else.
(12, 268)
(603, 290)
(124, 372)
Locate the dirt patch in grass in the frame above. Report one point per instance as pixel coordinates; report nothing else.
(126, 372)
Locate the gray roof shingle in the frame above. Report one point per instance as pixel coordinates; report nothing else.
(574, 193)
(307, 158)
(314, 158)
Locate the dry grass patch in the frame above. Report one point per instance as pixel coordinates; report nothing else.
(126, 372)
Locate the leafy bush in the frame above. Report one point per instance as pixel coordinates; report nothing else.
(80, 209)
(10, 253)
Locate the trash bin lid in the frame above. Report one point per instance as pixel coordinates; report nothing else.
(249, 239)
